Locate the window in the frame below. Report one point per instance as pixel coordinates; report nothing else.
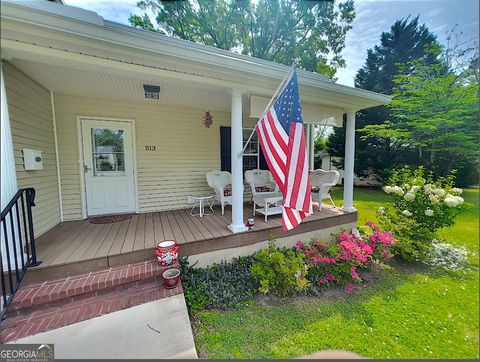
(108, 153)
(253, 156)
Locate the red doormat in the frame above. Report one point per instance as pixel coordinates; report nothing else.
(110, 219)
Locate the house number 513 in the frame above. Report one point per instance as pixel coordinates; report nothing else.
(150, 148)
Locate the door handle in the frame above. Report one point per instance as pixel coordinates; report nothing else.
(86, 168)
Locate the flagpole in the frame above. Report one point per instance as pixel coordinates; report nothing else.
(287, 76)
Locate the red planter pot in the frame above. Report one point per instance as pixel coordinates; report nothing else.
(171, 277)
(167, 252)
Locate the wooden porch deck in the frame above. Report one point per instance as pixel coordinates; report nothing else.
(76, 246)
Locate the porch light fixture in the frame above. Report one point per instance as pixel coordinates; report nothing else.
(151, 91)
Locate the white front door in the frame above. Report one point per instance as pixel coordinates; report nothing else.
(108, 166)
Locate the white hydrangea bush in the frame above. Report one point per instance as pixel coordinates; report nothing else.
(447, 256)
(431, 204)
(421, 206)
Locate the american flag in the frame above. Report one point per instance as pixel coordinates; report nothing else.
(281, 134)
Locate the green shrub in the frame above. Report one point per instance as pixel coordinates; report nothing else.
(421, 206)
(220, 286)
(280, 271)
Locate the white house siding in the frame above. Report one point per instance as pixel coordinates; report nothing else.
(185, 149)
(31, 124)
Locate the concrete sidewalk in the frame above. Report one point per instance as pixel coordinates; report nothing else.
(159, 329)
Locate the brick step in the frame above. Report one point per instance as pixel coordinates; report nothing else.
(78, 287)
(43, 320)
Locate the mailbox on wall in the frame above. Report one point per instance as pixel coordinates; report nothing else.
(32, 159)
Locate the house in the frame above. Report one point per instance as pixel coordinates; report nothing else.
(112, 119)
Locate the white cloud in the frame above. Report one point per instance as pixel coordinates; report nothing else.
(117, 10)
(434, 12)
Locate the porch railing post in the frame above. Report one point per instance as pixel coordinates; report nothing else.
(349, 163)
(30, 203)
(237, 224)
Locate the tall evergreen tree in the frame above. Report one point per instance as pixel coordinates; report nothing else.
(406, 41)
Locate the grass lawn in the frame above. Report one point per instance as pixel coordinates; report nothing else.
(406, 312)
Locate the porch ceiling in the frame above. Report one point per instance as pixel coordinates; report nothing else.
(69, 37)
(86, 83)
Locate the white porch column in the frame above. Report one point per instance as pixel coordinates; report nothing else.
(312, 147)
(349, 161)
(237, 224)
(8, 177)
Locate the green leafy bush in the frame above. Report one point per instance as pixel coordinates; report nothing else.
(280, 271)
(220, 286)
(421, 206)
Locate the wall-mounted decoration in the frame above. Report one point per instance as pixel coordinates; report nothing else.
(207, 119)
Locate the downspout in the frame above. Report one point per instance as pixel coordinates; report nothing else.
(312, 147)
(57, 157)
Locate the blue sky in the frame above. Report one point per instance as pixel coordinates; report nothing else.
(373, 17)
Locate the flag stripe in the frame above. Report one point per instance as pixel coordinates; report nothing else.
(271, 129)
(300, 186)
(278, 172)
(274, 155)
(295, 153)
(277, 131)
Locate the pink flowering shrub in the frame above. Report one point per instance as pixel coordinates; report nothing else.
(340, 261)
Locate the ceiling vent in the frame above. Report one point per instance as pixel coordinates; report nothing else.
(151, 91)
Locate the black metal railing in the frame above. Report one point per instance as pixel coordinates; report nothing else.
(17, 252)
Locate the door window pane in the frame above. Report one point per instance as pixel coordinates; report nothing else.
(108, 152)
(105, 162)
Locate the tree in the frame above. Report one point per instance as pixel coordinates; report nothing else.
(311, 32)
(434, 112)
(319, 146)
(406, 41)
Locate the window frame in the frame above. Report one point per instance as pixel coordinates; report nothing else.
(244, 140)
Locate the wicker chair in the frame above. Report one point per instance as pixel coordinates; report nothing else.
(260, 181)
(321, 182)
(219, 180)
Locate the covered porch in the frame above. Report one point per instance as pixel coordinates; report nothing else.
(72, 247)
(65, 79)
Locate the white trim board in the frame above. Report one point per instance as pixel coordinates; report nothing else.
(57, 156)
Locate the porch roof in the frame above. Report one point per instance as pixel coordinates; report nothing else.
(59, 35)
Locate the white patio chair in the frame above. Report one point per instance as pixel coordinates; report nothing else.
(324, 181)
(218, 180)
(260, 181)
